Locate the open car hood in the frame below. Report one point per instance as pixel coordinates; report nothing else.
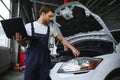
(74, 18)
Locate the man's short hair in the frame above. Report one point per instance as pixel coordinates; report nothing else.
(46, 9)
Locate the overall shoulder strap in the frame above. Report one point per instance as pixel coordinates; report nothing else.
(48, 29)
(32, 28)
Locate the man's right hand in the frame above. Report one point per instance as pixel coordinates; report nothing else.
(17, 37)
(20, 40)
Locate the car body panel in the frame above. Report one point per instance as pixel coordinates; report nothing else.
(109, 63)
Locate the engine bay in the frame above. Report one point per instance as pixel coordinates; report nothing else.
(89, 48)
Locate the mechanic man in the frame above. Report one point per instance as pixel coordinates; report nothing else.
(37, 61)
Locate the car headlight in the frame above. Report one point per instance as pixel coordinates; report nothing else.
(80, 64)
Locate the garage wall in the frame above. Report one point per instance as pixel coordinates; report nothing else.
(5, 59)
(112, 19)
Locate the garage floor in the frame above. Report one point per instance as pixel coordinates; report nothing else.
(12, 75)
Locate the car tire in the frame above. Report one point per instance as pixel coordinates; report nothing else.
(114, 76)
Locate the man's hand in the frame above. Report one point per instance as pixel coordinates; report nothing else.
(75, 52)
(68, 45)
(17, 37)
(20, 40)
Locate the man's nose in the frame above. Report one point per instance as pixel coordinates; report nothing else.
(51, 18)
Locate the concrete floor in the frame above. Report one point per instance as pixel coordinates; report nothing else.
(12, 75)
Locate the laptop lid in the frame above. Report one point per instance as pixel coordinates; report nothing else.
(12, 26)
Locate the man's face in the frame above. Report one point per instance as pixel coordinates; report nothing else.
(48, 17)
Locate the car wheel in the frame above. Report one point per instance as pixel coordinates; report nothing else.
(114, 75)
(115, 78)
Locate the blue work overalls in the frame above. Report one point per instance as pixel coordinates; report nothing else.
(38, 59)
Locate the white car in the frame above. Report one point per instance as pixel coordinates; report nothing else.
(100, 51)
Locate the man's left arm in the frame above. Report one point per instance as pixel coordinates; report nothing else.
(67, 44)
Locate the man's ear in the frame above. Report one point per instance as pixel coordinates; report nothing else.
(43, 13)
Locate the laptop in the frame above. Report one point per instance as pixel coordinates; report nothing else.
(12, 26)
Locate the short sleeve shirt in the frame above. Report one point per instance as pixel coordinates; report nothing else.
(42, 29)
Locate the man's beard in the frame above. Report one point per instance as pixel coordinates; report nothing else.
(46, 22)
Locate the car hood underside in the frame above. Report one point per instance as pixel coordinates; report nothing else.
(74, 18)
